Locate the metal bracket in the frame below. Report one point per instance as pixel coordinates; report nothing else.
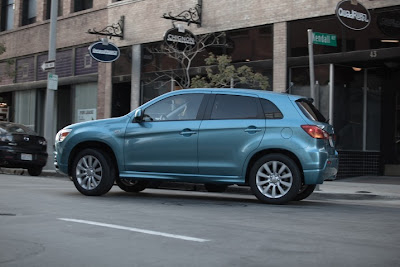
(115, 30)
(193, 15)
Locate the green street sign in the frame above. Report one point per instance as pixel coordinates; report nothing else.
(324, 39)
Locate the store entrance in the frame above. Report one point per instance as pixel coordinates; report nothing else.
(121, 99)
(391, 123)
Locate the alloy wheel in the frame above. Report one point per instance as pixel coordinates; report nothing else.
(89, 172)
(274, 179)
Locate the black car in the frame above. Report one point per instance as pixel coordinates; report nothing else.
(21, 147)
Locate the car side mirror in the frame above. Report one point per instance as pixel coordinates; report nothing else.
(138, 115)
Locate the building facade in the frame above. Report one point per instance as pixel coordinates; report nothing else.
(356, 80)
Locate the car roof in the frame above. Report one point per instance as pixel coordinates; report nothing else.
(260, 93)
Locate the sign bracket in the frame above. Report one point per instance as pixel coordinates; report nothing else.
(192, 15)
(114, 30)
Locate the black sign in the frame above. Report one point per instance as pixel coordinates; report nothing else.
(389, 23)
(353, 16)
(104, 53)
(181, 40)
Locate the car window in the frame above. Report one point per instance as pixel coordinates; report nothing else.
(271, 111)
(310, 111)
(15, 128)
(178, 107)
(234, 107)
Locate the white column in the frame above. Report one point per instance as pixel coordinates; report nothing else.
(136, 72)
(279, 70)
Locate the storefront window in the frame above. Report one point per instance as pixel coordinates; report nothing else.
(162, 73)
(85, 102)
(25, 111)
(300, 85)
(244, 45)
(358, 108)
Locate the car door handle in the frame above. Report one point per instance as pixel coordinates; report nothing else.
(187, 132)
(252, 129)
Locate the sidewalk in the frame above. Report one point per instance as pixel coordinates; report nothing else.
(355, 188)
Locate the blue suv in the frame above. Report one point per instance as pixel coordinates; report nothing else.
(278, 144)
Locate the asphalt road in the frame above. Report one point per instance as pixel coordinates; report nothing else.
(45, 221)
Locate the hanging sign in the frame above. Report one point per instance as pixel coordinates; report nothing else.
(104, 52)
(353, 15)
(180, 39)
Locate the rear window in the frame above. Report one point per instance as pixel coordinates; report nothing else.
(310, 111)
(15, 128)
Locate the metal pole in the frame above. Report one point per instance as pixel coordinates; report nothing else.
(311, 60)
(49, 105)
(365, 108)
(331, 92)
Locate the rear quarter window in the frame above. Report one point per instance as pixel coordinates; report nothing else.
(310, 111)
(271, 111)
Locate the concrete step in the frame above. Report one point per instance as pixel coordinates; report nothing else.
(392, 170)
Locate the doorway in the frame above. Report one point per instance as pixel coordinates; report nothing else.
(121, 99)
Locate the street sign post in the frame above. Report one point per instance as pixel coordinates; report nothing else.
(324, 39)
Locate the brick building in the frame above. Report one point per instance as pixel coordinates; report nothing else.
(357, 81)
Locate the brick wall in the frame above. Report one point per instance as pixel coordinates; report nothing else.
(143, 22)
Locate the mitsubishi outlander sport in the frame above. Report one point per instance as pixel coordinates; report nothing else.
(278, 144)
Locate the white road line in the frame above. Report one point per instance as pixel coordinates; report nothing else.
(114, 226)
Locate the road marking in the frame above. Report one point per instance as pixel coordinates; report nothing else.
(119, 227)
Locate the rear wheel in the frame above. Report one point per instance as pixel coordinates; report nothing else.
(305, 191)
(35, 171)
(275, 179)
(129, 185)
(93, 173)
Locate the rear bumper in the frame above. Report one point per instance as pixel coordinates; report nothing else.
(328, 172)
(12, 159)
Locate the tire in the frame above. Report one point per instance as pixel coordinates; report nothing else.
(35, 171)
(305, 191)
(129, 185)
(215, 188)
(275, 179)
(93, 173)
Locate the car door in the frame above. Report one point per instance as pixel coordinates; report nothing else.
(232, 128)
(166, 140)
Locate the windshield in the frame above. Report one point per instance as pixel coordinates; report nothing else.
(310, 111)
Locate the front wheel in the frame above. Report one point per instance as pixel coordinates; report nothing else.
(275, 179)
(129, 185)
(93, 173)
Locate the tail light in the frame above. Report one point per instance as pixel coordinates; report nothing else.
(315, 132)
